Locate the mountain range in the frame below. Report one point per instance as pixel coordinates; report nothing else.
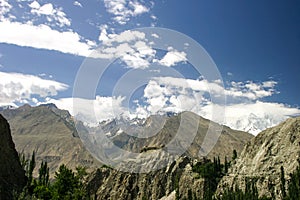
(54, 135)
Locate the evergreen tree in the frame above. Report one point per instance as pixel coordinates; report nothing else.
(282, 183)
(226, 165)
(23, 160)
(44, 174)
(67, 185)
(234, 154)
(294, 185)
(29, 171)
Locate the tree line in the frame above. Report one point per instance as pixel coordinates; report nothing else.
(67, 184)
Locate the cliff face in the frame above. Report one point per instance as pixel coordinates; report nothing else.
(12, 176)
(263, 157)
(107, 183)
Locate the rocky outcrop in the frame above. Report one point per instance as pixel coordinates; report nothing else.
(12, 176)
(107, 183)
(263, 157)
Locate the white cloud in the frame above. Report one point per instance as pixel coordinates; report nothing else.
(163, 94)
(123, 10)
(43, 37)
(138, 8)
(34, 5)
(251, 90)
(103, 33)
(236, 91)
(169, 94)
(125, 36)
(135, 49)
(19, 88)
(172, 58)
(5, 7)
(91, 111)
(153, 17)
(130, 46)
(53, 14)
(244, 110)
(253, 117)
(155, 35)
(77, 3)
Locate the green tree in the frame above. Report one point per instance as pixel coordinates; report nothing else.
(234, 154)
(226, 165)
(43, 174)
(23, 160)
(67, 185)
(29, 174)
(293, 192)
(212, 174)
(42, 186)
(250, 192)
(282, 183)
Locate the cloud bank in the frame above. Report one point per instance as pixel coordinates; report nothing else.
(43, 37)
(24, 88)
(246, 110)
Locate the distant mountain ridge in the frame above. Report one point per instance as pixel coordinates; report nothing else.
(158, 131)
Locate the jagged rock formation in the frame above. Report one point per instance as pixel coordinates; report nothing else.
(12, 176)
(182, 127)
(107, 183)
(262, 158)
(51, 133)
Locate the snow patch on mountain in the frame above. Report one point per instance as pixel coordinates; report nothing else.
(254, 124)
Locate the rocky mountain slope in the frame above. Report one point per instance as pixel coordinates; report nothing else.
(182, 127)
(107, 183)
(51, 134)
(263, 157)
(12, 176)
(178, 177)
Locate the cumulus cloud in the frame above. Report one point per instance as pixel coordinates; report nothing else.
(244, 109)
(5, 7)
(53, 14)
(155, 35)
(165, 94)
(125, 36)
(42, 29)
(91, 111)
(130, 46)
(173, 57)
(19, 88)
(43, 37)
(251, 90)
(123, 10)
(77, 3)
(252, 117)
(135, 49)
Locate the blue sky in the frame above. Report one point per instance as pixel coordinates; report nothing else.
(254, 44)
